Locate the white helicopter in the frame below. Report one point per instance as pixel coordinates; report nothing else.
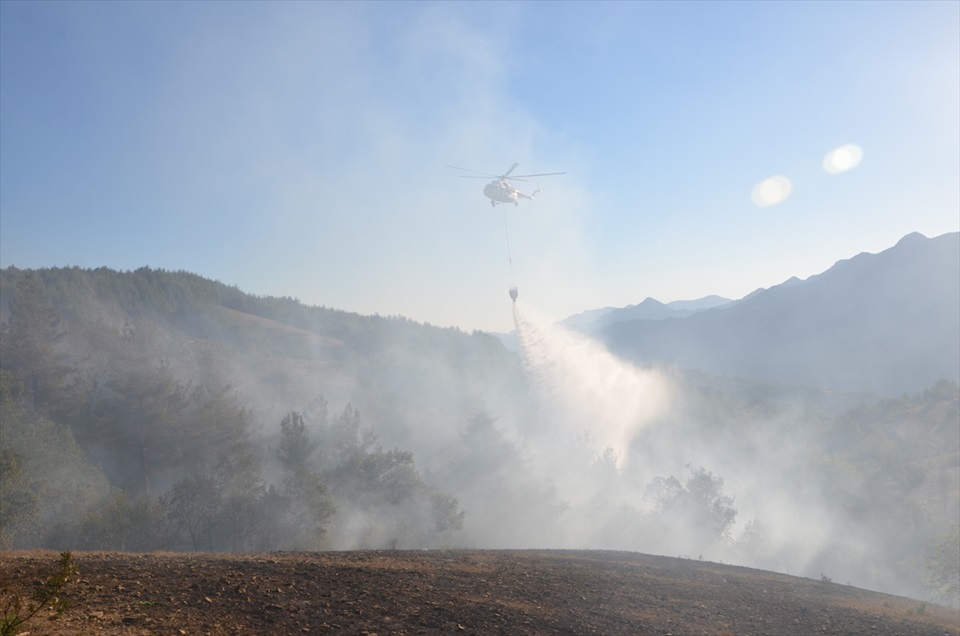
(500, 190)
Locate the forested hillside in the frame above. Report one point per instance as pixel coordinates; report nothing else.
(159, 410)
(240, 422)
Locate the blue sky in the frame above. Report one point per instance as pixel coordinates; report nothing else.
(299, 149)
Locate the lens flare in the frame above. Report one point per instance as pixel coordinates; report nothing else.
(846, 157)
(771, 191)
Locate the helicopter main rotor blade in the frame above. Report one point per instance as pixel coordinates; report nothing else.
(471, 176)
(506, 176)
(485, 175)
(542, 174)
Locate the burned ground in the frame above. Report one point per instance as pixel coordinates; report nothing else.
(453, 592)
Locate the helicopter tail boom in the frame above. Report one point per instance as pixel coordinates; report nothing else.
(529, 196)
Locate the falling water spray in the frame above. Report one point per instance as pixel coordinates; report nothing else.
(582, 388)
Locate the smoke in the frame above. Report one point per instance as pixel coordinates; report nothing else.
(454, 441)
(659, 461)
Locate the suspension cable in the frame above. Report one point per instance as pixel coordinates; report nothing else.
(506, 230)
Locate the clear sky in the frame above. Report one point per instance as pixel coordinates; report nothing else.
(300, 149)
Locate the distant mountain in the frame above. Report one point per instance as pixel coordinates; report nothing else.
(887, 322)
(707, 302)
(650, 309)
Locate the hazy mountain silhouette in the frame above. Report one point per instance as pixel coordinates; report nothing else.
(650, 309)
(887, 322)
(700, 304)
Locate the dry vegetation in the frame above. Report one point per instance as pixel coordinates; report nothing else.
(452, 592)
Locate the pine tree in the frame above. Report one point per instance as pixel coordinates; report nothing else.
(27, 346)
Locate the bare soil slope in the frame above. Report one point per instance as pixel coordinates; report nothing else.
(454, 592)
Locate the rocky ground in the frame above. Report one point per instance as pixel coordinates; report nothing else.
(451, 592)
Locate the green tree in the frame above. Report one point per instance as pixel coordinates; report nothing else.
(295, 447)
(120, 523)
(309, 509)
(943, 565)
(193, 508)
(698, 507)
(241, 490)
(496, 483)
(144, 426)
(19, 504)
(344, 438)
(302, 507)
(217, 423)
(45, 476)
(381, 497)
(711, 508)
(27, 346)
(223, 508)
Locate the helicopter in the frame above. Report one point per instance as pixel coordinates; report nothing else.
(500, 190)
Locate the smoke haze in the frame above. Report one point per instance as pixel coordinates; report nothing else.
(297, 150)
(324, 429)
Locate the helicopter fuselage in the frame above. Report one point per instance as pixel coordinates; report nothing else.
(500, 191)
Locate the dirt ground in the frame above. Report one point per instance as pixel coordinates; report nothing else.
(452, 592)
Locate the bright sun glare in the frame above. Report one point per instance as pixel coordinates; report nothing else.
(771, 191)
(846, 157)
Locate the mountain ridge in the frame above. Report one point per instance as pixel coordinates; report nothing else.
(886, 322)
(648, 309)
